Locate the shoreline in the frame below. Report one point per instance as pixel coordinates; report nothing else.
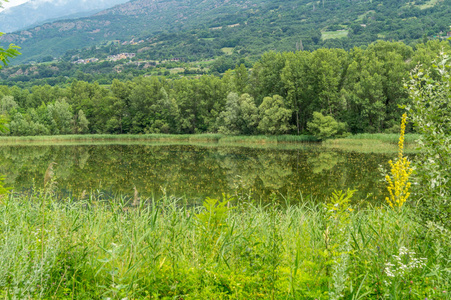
(367, 143)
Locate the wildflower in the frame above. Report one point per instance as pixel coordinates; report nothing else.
(398, 183)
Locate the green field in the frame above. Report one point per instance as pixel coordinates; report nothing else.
(227, 50)
(325, 35)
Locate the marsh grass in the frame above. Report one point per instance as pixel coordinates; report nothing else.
(373, 143)
(212, 137)
(385, 137)
(94, 249)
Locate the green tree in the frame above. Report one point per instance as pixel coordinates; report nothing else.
(265, 79)
(373, 88)
(80, 123)
(62, 115)
(241, 78)
(240, 115)
(294, 78)
(324, 127)
(7, 103)
(274, 116)
(3, 128)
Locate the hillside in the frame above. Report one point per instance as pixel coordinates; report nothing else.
(199, 29)
(35, 12)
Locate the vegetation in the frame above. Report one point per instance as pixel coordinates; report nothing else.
(200, 30)
(231, 248)
(279, 95)
(429, 92)
(398, 182)
(323, 127)
(99, 247)
(95, 249)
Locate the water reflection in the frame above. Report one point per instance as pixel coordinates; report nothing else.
(193, 171)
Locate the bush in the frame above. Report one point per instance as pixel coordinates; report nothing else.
(430, 112)
(324, 127)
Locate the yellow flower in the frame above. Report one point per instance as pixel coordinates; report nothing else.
(398, 183)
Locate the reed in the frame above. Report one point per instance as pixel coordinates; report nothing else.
(384, 137)
(209, 137)
(225, 249)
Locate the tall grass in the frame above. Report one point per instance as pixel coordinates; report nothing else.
(211, 137)
(373, 143)
(385, 137)
(92, 249)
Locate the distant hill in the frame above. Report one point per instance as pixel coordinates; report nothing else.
(193, 29)
(35, 12)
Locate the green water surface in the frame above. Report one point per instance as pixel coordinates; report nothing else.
(195, 171)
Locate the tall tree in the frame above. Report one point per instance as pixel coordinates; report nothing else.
(274, 116)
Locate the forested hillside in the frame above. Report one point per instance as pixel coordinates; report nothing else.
(194, 29)
(359, 90)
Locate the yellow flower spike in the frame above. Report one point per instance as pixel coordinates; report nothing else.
(398, 184)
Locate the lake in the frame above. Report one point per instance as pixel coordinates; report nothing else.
(196, 171)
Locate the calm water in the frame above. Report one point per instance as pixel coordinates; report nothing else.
(194, 171)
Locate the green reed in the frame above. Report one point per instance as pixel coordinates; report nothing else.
(225, 249)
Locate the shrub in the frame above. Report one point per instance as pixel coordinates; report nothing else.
(430, 112)
(324, 127)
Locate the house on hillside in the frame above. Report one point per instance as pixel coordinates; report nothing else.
(121, 56)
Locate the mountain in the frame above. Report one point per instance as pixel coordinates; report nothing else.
(197, 29)
(35, 12)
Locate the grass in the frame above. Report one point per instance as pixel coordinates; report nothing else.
(384, 137)
(373, 143)
(325, 35)
(212, 138)
(119, 248)
(227, 50)
(363, 143)
(430, 3)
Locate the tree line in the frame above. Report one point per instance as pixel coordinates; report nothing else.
(354, 91)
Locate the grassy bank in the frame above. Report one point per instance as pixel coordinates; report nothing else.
(164, 250)
(214, 138)
(363, 143)
(356, 139)
(373, 143)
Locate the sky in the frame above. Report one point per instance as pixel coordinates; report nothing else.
(12, 3)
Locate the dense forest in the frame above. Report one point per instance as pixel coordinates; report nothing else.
(354, 91)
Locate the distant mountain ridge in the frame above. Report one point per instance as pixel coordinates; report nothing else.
(201, 28)
(35, 12)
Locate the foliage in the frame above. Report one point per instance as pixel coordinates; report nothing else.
(324, 127)
(274, 116)
(358, 87)
(398, 184)
(430, 113)
(337, 239)
(3, 190)
(94, 248)
(3, 121)
(240, 115)
(6, 54)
